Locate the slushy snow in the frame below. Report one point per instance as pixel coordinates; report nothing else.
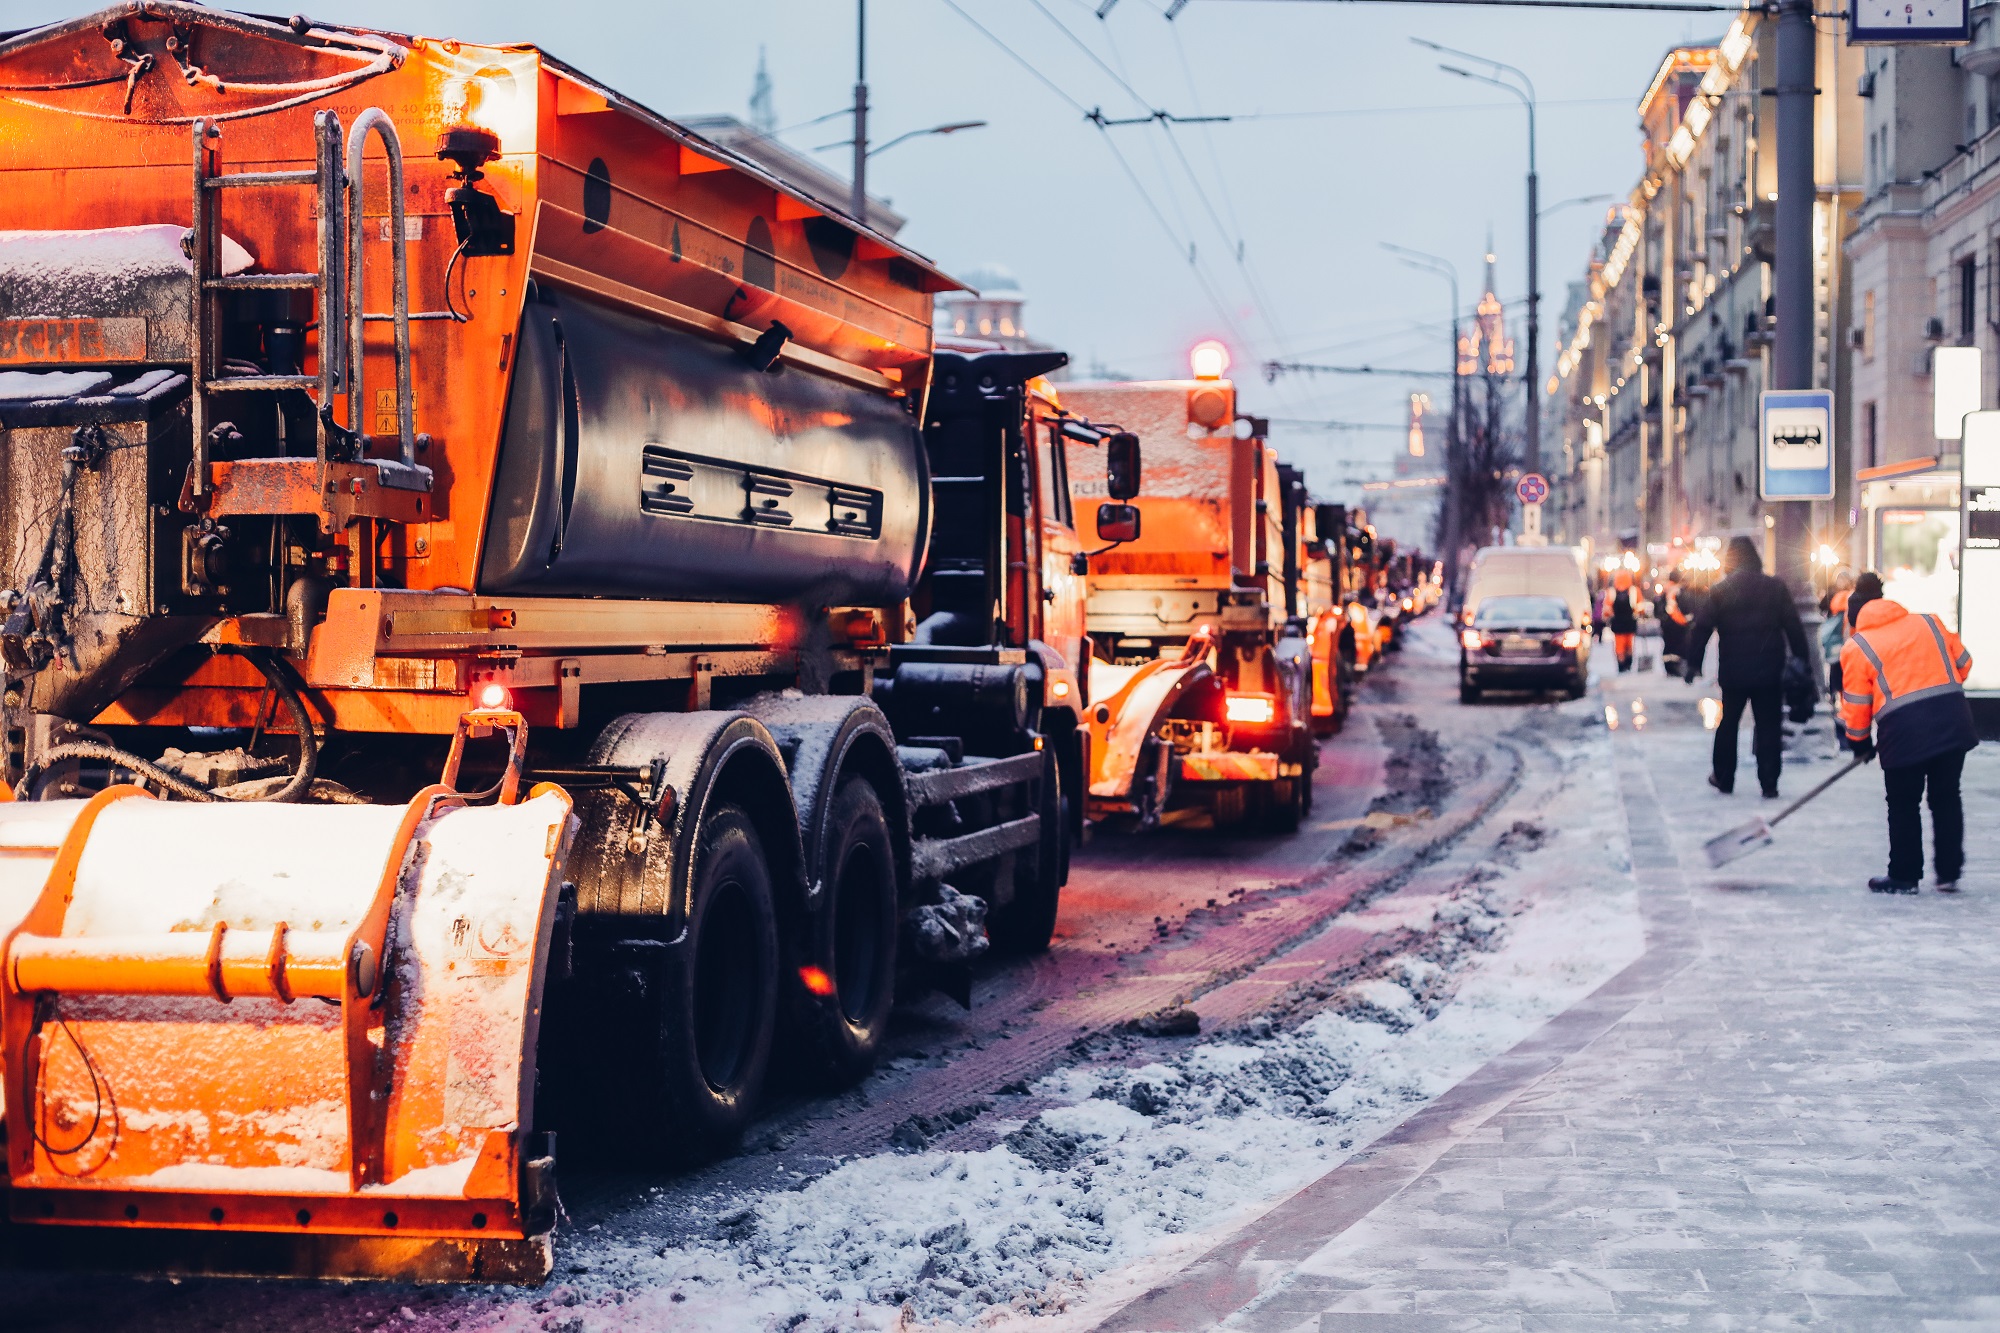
(1131, 1170)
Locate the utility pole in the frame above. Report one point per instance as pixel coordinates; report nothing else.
(1531, 417)
(1792, 275)
(1533, 461)
(858, 206)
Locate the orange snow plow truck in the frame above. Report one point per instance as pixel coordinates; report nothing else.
(1200, 685)
(475, 659)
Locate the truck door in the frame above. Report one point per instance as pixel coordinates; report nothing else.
(1063, 590)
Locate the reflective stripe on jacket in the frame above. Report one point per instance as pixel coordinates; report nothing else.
(1904, 674)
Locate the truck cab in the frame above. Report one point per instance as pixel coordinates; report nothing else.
(1192, 706)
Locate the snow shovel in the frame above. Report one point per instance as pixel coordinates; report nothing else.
(1747, 838)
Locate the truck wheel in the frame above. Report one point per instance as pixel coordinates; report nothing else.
(1026, 925)
(721, 990)
(1468, 693)
(1283, 804)
(856, 951)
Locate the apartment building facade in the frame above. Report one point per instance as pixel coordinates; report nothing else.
(1665, 343)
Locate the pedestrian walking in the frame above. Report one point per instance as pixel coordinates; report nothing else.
(1867, 588)
(1674, 620)
(1904, 675)
(1622, 616)
(1832, 634)
(1752, 616)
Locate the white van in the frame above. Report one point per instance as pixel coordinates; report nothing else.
(1529, 571)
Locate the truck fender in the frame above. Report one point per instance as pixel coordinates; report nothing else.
(708, 756)
(1122, 723)
(823, 737)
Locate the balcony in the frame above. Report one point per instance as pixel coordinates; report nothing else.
(1976, 160)
(1982, 57)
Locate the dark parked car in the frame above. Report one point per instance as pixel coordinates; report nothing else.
(1522, 643)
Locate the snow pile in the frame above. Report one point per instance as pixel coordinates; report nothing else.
(1134, 1170)
(94, 269)
(22, 386)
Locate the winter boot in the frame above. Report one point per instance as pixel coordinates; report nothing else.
(1947, 886)
(1883, 884)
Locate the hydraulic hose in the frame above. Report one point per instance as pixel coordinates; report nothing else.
(294, 789)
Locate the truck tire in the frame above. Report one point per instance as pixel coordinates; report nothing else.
(721, 991)
(856, 950)
(1283, 804)
(1026, 925)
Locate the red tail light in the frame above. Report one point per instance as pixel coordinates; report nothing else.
(1257, 710)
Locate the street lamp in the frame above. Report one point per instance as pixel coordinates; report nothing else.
(1444, 268)
(1533, 461)
(952, 128)
(1580, 199)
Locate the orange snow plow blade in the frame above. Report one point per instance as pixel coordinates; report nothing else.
(282, 1038)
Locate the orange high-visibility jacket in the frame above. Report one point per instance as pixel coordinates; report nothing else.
(1905, 674)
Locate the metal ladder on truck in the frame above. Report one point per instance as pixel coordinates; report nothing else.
(340, 483)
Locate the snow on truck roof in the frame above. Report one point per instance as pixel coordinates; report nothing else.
(381, 51)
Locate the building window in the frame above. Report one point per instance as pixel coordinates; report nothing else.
(1871, 454)
(1968, 299)
(1868, 326)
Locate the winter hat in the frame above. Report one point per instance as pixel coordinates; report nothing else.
(1867, 588)
(1742, 554)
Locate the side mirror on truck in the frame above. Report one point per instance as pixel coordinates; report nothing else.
(1121, 474)
(1119, 522)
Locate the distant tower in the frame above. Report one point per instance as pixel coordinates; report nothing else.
(763, 112)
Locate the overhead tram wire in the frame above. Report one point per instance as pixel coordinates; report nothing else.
(1215, 299)
(1645, 6)
(1166, 122)
(1251, 276)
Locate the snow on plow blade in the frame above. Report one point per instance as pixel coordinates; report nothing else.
(281, 1038)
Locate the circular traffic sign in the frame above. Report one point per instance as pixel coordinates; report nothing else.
(1533, 488)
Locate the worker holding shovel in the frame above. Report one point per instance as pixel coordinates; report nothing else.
(1904, 674)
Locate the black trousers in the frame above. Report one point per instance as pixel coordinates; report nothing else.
(1937, 778)
(1767, 738)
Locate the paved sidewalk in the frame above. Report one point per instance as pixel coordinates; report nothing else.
(1782, 1115)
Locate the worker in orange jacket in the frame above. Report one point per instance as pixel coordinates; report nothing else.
(1904, 675)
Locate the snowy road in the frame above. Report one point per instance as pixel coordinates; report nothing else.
(1041, 1159)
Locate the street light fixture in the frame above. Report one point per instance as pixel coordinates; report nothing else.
(1580, 199)
(1533, 461)
(952, 128)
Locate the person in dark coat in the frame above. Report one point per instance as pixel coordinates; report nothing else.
(1755, 623)
(1867, 588)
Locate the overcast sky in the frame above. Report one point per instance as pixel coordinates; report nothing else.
(1346, 135)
